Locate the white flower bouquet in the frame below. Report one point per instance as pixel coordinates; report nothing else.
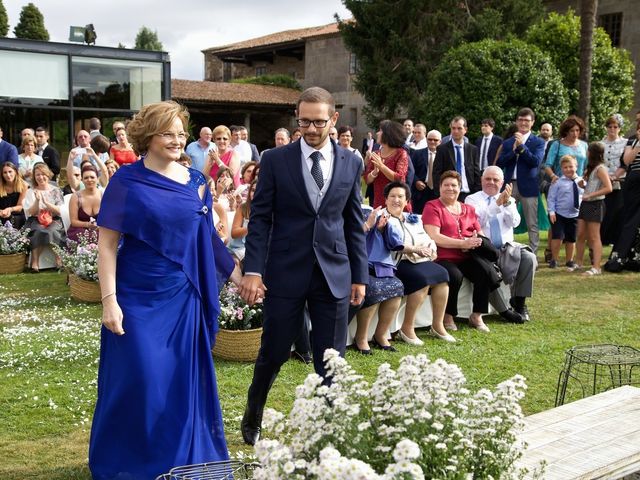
(81, 257)
(12, 240)
(419, 422)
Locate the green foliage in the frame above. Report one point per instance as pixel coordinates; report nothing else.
(494, 79)
(275, 80)
(4, 21)
(400, 43)
(148, 40)
(613, 71)
(31, 24)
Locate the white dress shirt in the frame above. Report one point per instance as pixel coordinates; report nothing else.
(463, 171)
(326, 162)
(525, 138)
(484, 151)
(508, 216)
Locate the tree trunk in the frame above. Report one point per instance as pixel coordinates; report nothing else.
(588, 9)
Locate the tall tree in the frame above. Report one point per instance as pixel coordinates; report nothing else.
(147, 40)
(31, 24)
(587, 25)
(400, 42)
(4, 21)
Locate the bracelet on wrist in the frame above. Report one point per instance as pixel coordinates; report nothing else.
(107, 296)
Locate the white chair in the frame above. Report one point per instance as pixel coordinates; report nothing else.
(64, 212)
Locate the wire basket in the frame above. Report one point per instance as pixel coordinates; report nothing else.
(226, 470)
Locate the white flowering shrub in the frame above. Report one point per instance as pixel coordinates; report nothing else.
(419, 422)
(12, 240)
(81, 257)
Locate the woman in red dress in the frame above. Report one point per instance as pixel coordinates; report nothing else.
(122, 152)
(390, 163)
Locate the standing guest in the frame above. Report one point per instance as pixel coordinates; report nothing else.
(42, 207)
(200, 149)
(13, 190)
(546, 134)
(614, 146)
(115, 126)
(488, 143)
(8, 153)
(459, 156)
(419, 141)
(112, 167)
(27, 132)
(570, 132)
(454, 227)
(422, 186)
(157, 404)
(520, 160)
(369, 144)
(408, 131)
(345, 137)
(94, 127)
(596, 184)
(280, 138)
(122, 152)
(390, 163)
(241, 147)
(49, 154)
(92, 155)
(296, 135)
(224, 155)
(244, 135)
(498, 216)
(84, 205)
(333, 134)
(564, 204)
(305, 245)
(28, 158)
(83, 141)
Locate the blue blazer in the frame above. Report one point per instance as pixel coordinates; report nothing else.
(286, 234)
(528, 158)
(494, 144)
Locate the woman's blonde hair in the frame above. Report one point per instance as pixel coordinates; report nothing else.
(27, 139)
(19, 185)
(42, 166)
(221, 129)
(153, 119)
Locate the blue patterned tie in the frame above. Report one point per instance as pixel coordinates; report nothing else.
(316, 171)
(494, 225)
(458, 158)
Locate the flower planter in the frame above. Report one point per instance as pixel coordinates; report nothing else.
(12, 263)
(84, 290)
(238, 345)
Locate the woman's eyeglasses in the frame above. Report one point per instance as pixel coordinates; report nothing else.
(171, 136)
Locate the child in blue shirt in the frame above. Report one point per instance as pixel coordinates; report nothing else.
(563, 204)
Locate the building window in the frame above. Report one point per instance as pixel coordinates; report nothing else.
(227, 72)
(612, 24)
(354, 117)
(354, 64)
(261, 71)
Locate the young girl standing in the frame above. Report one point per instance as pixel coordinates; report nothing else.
(596, 184)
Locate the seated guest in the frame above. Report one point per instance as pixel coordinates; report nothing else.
(415, 267)
(384, 290)
(498, 216)
(112, 167)
(223, 190)
(85, 204)
(122, 152)
(28, 158)
(42, 208)
(246, 172)
(13, 190)
(455, 228)
(83, 141)
(239, 228)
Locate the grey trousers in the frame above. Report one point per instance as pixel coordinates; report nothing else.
(530, 210)
(522, 285)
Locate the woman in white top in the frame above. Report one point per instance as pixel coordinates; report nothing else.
(28, 158)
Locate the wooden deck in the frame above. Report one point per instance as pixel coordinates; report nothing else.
(597, 437)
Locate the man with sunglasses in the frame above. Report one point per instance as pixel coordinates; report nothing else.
(305, 245)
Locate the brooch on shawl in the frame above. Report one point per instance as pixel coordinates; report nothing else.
(412, 218)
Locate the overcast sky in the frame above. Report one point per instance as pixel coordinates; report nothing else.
(185, 27)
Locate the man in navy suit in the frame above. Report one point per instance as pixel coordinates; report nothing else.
(305, 244)
(8, 152)
(422, 160)
(488, 143)
(520, 159)
(458, 155)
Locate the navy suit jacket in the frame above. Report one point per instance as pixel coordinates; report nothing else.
(494, 144)
(527, 157)
(286, 234)
(8, 153)
(420, 162)
(446, 160)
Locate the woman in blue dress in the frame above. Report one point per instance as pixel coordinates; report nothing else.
(160, 265)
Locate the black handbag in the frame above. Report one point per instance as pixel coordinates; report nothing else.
(485, 256)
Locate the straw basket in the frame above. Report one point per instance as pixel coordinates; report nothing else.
(84, 290)
(238, 345)
(13, 263)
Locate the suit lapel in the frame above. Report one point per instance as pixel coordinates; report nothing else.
(294, 167)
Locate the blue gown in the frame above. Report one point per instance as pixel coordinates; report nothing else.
(157, 404)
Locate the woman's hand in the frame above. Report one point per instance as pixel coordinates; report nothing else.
(382, 222)
(376, 159)
(371, 219)
(112, 315)
(5, 212)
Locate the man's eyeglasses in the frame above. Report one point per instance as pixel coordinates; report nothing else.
(171, 136)
(304, 123)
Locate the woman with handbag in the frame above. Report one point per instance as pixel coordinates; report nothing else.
(454, 227)
(415, 267)
(42, 207)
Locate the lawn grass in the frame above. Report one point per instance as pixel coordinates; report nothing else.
(49, 348)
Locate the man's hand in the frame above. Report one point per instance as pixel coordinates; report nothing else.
(519, 140)
(505, 195)
(420, 185)
(252, 289)
(357, 293)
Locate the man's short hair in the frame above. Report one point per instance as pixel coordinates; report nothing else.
(421, 126)
(317, 95)
(43, 129)
(235, 128)
(568, 159)
(488, 121)
(526, 112)
(282, 130)
(434, 132)
(459, 118)
(494, 169)
(94, 123)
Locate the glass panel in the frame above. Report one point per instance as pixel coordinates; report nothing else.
(22, 77)
(13, 120)
(106, 83)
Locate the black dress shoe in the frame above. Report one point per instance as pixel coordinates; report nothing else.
(386, 348)
(250, 426)
(512, 316)
(304, 357)
(521, 309)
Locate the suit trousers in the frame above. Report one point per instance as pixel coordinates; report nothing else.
(469, 269)
(530, 211)
(283, 322)
(522, 285)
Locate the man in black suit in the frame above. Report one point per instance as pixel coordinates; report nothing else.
(422, 160)
(369, 144)
(47, 152)
(488, 143)
(460, 156)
